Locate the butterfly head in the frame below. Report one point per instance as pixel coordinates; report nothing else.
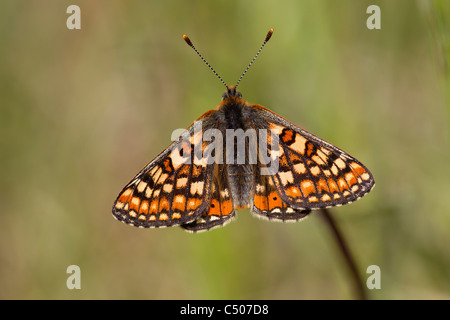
(231, 93)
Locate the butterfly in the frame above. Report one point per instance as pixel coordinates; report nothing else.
(237, 156)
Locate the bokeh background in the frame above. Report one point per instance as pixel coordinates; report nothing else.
(82, 111)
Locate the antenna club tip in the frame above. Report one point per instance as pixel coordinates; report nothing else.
(269, 34)
(188, 41)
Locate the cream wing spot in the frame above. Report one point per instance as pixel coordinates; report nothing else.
(177, 159)
(318, 160)
(141, 186)
(300, 168)
(163, 178)
(340, 163)
(325, 151)
(299, 144)
(181, 182)
(168, 187)
(224, 193)
(127, 192)
(179, 198)
(148, 192)
(276, 129)
(163, 216)
(176, 215)
(315, 170)
(156, 175)
(144, 206)
(260, 188)
(327, 173)
(334, 169)
(119, 205)
(197, 187)
(286, 177)
(365, 176)
(135, 201)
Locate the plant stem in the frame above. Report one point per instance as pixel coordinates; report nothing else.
(337, 234)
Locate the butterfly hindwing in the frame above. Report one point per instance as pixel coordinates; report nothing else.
(268, 204)
(312, 173)
(173, 189)
(221, 209)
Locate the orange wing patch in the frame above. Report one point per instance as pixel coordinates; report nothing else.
(221, 208)
(268, 204)
(261, 202)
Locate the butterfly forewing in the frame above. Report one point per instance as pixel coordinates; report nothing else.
(312, 173)
(173, 189)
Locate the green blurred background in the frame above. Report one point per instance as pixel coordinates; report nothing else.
(82, 111)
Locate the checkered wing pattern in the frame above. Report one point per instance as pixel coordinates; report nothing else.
(312, 173)
(221, 209)
(268, 204)
(173, 189)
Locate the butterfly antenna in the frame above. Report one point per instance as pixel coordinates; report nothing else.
(269, 34)
(189, 42)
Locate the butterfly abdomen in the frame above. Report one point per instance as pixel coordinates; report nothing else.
(241, 177)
